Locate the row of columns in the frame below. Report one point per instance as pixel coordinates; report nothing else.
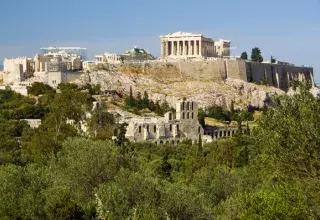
(187, 48)
(184, 48)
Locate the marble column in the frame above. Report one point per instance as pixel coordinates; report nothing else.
(195, 47)
(172, 47)
(200, 47)
(178, 48)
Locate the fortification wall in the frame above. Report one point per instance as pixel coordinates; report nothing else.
(277, 75)
(236, 69)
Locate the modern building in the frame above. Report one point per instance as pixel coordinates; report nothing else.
(81, 52)
(183, 45)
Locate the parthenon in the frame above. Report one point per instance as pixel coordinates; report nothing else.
(189, 45)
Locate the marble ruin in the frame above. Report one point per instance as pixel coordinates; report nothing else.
(50, 68)
(185, 45)
(172, 128)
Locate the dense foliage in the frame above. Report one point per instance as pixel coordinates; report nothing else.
(139, 103)
(57, 173)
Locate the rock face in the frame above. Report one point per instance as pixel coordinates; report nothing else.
(205, 92)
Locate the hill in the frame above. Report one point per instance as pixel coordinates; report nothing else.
(167, 83)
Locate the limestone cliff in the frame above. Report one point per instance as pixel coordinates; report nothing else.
(173, 85)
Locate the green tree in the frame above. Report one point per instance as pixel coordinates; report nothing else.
(145, 100)
(244, 55)
(82, 165)
(101, 123)
(39, 88)
(201, 117)
(121, 140)
(129, 101)
(139, 101)
(273, 60)
(256, 55)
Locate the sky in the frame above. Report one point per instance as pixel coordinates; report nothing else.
(289, 30)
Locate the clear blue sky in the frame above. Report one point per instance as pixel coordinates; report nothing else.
(287, 29)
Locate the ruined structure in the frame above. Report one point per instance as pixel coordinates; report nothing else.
(81, 52)
(183, 45)
(172, 128)
(111, 58)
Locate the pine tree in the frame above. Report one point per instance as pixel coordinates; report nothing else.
(256, 55)
(130, 102)
(145, 100)
(244, 55)
(139, 101)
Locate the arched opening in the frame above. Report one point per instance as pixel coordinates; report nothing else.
(170, 116)
(183, 116)
(220, 134)
(155, 128)
(187, 106)
(178, 128)
(167, 142)
(170, 127)
(172, 142)
(161, 142)
(192, 106)
(188, 115)
(225, 133)
(182, 106)
(192, 115)
(139, 129)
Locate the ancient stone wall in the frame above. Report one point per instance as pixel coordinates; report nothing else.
(277, 75)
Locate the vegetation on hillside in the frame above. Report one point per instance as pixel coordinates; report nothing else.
(55, 172)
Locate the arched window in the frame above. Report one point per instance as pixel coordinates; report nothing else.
(182, 106)
(170, 127)
(161, 142)
(170, 116)
(192, 115)
(155, 128)
(188, 115)
(188, 106)
(139, 129)
(177, 127)
(183, 115)
(192, 106)
(172, 142)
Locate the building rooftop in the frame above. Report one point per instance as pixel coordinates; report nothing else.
(180, 33)
(62, 48)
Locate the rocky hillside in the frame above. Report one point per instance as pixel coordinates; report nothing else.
(174, 87)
